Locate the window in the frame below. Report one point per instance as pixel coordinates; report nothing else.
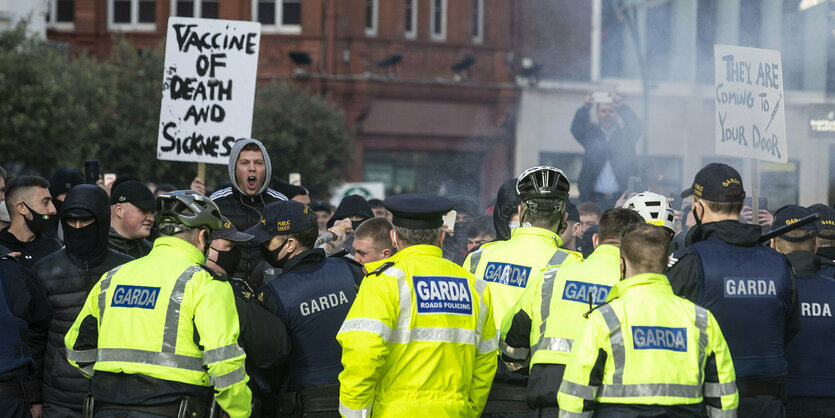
(61, 14)
(371, 9)
(283, 16)
(411, 19)
(438, 16)
(195, 8)
(478, 21)
(132, 14)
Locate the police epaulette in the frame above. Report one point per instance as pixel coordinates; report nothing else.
(678, 255)
(215, 275)
(379, 270)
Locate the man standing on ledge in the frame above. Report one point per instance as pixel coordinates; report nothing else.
(610, 150)
(436, 355)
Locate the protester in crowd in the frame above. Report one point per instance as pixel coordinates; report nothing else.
(351, 212)
(589, 215)
(164, 188)
(825, 238)
(506, 210)
(379, 209)
(263, 336)
(244, 200)
(311, 296)
(24, 318)
(68, 275)
(765, 217)
(725, 270)
(5, 221)
(609, 157)
(455, 244)
(618, 366)
(811, 367)
(372, 241)
(61, 181)
(480, 232)
(577, 288)
(2, 184)
(569, 240)
(686, 221)
(398, 355)
(133, 367)
(31, 215)
(292, 191)
(131, 218)
(323, 214)
(506, 266)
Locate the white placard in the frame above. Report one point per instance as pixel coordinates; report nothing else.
(750, 106)
(208, 88)
(368, 190)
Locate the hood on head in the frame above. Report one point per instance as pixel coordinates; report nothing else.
(233, 161)
(93, 199)
(353, 205)
(466, 204)
(507, 203)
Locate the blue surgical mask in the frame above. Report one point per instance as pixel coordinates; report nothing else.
(513, 225)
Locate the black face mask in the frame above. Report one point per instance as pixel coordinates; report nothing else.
(356, 224)
(81, 242)
(229, 260)
(271, 257)
(40, 222)
(460, 234)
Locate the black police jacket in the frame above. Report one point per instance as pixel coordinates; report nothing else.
(27, 301)
(312, 297)
(67, 282)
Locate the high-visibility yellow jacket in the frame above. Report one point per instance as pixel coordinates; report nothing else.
(656, 349)
(147, 313)
(507, 266)
(556, 304)
(419, 340)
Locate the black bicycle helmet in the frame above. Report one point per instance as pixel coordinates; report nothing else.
(543, 182)
(182, 210)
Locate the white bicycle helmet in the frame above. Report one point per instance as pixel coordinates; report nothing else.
(654, 208)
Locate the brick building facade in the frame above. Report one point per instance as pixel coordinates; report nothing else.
(438, 118)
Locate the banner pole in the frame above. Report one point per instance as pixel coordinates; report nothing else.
(755, 192)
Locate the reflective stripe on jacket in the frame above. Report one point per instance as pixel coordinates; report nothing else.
(419, 337)
(148, 313)
(654, 348)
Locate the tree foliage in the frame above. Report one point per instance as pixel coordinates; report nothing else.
(58, 111)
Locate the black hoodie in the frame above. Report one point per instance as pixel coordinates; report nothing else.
(507, 203)
(67, 276)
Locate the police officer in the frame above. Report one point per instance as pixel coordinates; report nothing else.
(747, 286)
(312, 297)
(24, 318)
(552, 310)
(159, 335)
(811, 366)
(825, 238)
(506, 266)
(647, 352)
(420, 337)
(263, 336)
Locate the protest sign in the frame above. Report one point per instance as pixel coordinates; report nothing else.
(208, 88)
(750, 106)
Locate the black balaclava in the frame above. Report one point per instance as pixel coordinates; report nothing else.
(507, 203)
(88, 244)
(353, 205)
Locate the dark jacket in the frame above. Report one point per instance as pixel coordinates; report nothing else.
(135, 248)
(619, 150)
(28, 302)
(67, 276)
(245, 211)
(686, 275)
(30, 252)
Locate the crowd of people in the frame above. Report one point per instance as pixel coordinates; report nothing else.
(130, 301)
